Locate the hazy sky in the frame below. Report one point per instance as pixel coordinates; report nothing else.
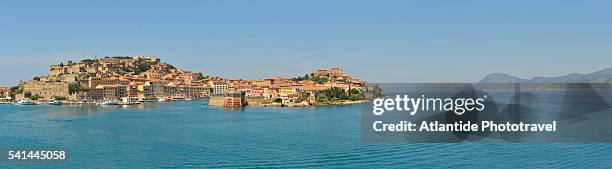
(378, 41)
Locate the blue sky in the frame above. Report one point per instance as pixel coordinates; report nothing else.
(378, 41)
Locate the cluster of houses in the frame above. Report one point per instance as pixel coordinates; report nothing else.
(148, 79)
(5, 94)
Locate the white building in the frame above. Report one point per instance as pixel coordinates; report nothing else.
(220, 88)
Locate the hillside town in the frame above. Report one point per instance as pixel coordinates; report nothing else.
(137, 79)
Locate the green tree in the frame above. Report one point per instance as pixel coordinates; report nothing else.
(59, 97)
(319, 80)
(354, 91)
(170, 66)
(199, 76)
(321, 98)
(142, 67)
(89, 61)
(73, 88)
(35, 97)
(355, 94)
(17, 90)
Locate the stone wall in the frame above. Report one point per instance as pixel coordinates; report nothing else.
(46, 89)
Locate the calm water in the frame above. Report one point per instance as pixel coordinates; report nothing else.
(190, 135)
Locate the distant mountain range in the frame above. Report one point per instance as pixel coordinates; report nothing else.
(602, 76)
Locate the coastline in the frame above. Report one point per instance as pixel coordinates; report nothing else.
(303, 104)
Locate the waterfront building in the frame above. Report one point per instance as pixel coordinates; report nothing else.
(95, 94)
(170, 89)
(220, 88)
(113, 92)
(79, 95)
(158, 88)
(195, 91)
(229, 99)
(145, 92)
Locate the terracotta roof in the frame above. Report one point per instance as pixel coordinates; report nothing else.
(313, 87)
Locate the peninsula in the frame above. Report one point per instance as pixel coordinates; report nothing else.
(136, 79)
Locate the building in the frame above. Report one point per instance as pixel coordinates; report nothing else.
(261, 83)
(158, 88)
(160, 67)
(57, 70)
(96, 81)
(229, 99)
(145, 92)
(333, 72)
(256, 92)
(195, 91)
(5, 92)
(220, 88)
(113, 92)
(95, 94)
(285, 91)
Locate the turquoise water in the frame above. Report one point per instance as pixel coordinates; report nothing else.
(190, 135)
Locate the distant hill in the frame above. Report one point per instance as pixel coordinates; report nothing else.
(602, 76)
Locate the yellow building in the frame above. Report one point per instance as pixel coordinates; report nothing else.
(285, 91)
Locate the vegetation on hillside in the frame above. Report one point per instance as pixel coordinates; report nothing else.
(59, 98)
(337, 94)
(73, 88)
(35, 97)
(318, 80)
(89, 61)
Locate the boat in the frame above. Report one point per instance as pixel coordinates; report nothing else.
(108, 102)
(56, 102)
(164, 99)
(188, 99)
(26, 101)
(178, 97)
(128, 101)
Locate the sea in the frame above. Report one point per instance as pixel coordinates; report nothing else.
(189, 134)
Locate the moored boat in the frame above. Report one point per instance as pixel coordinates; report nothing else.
(108, 102)
(56, 102)
(26, 101)
(164, 99)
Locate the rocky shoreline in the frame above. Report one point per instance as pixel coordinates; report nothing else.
(305, 104)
